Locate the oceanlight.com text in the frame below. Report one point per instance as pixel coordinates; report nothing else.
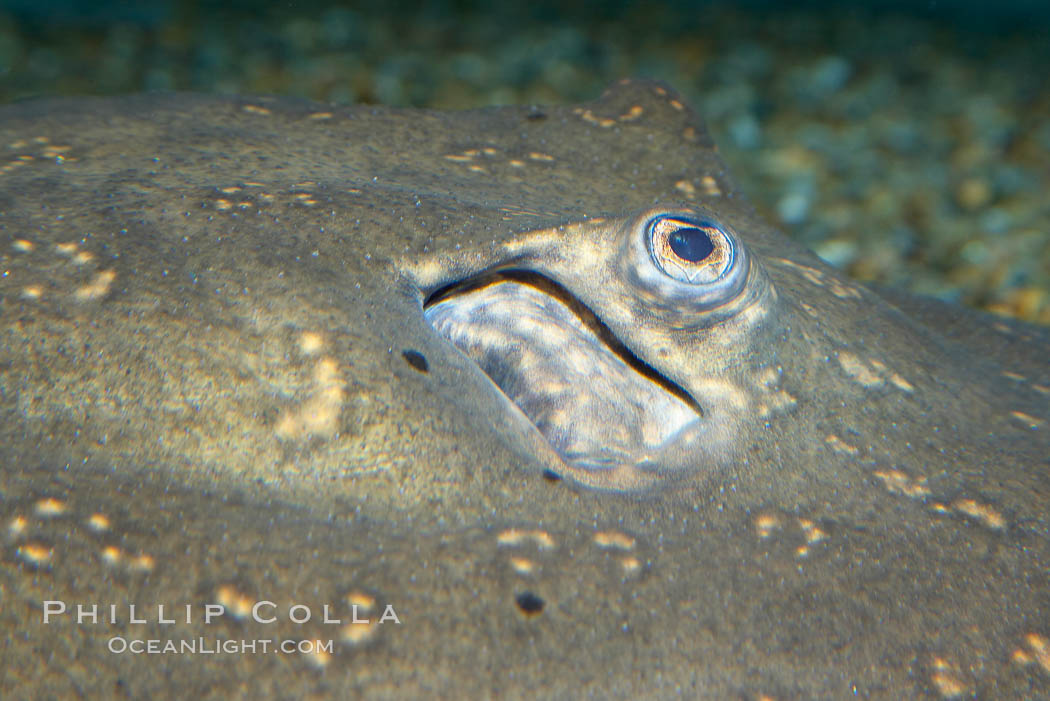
(211, 646)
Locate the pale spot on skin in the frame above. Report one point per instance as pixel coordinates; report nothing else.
(813, 535)
(230, 190)
(538, 156)
(50, 507)
(900, 383)
(710, 186)
(896, 482)
(17, 525)
(98, 522)
(1038, 651)
(946, 679)
(255, 109)
(541, 238)
(35, 553)
(23, 246)
(686, 188)
(428, 271)
(222, 204)
(779, 402)
(839, 445)
(97, 288)
(310, 343)
(319, 415)
(1027, 419)
(33, 292)
(361, 599)
(517, 536)
(1014, 376)
(812, 532)
(317, 656)
(630, 565)
(111, 555)
(776, 399)
(812, 275)
(360, 632)
(843, 291)
(522, 565)
(1021, 657)
(614, 539)
(1041, 389)
(982, 512)
(66, 249)
(320, 115)
(768, 377)
(477, 169)
(83, 257)
(765, 524)
(857, 370)
(632, 114)
(752, 315)
(591, 118)
(142, 563)
(236, 603)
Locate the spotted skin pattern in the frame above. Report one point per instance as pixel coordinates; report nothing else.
(218, 387)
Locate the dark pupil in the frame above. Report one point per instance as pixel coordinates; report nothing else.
(691, 244)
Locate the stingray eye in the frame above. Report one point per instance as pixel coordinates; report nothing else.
(694, 251)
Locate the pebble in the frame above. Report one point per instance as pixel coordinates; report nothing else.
(973, 193)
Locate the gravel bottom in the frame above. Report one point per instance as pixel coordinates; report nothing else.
(906, 152)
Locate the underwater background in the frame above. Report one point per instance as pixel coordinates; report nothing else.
(907, 143)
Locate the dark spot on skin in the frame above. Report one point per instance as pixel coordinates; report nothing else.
(692, 245)
(535, 115)
(416, 360)
(529, 603)
(551, 476)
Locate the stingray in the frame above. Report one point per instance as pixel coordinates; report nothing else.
(526, 402)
